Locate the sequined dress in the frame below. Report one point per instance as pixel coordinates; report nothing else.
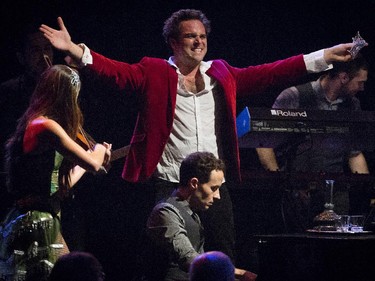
(30, 237)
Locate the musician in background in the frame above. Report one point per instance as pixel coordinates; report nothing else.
(33, 52)
(334, 90)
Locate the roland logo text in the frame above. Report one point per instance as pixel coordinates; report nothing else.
(288, 113)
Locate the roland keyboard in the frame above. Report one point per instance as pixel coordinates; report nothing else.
(265, 127)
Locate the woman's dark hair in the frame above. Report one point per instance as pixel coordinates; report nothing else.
(55, 97)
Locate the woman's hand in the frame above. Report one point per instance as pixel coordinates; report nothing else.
(107, 155)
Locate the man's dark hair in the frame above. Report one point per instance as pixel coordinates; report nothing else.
(351, 67)
(77, 266)
(22, 37)
(171, 27)
(199, 165)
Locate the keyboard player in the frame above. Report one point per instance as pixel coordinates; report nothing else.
(334, 90)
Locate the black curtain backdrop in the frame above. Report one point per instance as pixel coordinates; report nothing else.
(243, 32)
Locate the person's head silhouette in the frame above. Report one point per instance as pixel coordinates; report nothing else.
(77, 266)
(212, 266)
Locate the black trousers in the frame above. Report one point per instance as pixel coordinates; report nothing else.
(218, 221)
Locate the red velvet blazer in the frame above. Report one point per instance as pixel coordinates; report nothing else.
(155, 82)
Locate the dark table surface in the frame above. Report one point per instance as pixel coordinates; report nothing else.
(316, 256)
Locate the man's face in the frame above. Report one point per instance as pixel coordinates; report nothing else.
(33, 56)
(356, 84)
(204, 194)
(191, 46)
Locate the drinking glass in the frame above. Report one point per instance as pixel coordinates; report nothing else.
(344, 224)
(356, 223)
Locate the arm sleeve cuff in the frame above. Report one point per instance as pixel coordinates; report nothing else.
(315, 62)
(85, 60)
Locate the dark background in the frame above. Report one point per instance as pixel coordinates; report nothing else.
(103, 216)
(243, 32)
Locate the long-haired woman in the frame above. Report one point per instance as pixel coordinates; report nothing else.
(43, 162)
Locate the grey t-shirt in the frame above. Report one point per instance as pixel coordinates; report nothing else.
(309, 154)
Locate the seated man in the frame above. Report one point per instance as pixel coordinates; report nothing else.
(174, 230)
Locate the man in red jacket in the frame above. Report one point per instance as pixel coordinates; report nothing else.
(188, 105)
